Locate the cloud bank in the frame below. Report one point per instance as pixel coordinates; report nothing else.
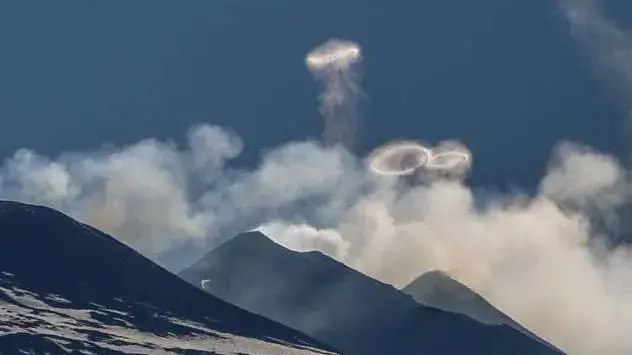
(538, 258)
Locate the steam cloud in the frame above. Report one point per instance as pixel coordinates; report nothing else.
(532, 257)
(538, 258)
(608, 47)
(335, 65)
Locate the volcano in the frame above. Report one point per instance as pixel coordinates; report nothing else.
(67, 288)
(342, 307)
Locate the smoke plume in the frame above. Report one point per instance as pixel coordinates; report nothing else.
(335, 65)
(607, 46)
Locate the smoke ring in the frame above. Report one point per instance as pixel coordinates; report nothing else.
(449, 160)
(334, 54)
(398, 158)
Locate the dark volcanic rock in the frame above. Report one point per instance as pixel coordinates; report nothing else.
(439, 290)
(66, 287)
(342, 307)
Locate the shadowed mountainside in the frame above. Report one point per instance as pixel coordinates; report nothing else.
(438, 290)
(66, 287)
(342, 307)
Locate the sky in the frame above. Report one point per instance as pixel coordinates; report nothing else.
(504, 77)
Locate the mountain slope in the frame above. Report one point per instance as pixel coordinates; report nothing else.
(439, 290)
(66, 287)
(342, 307)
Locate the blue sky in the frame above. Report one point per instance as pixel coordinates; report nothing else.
(503, 76)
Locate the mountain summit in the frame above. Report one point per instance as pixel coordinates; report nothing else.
(342, 307)
(67, 288)
(437, 289)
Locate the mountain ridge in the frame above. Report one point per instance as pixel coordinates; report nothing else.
(439, 290)
(331, 302)
(65, 286)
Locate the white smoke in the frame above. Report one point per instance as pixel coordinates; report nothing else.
(155, 196)
(303, 237)
(335, 65)
(533, 257)
(608, 47)
(583, 177)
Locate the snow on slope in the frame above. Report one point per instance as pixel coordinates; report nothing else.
(69, 329)
(66, 288)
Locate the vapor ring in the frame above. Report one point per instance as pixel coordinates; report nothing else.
(335, 54)
(447, 160)
(398, 158)
(449, 157)
(405, 157)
